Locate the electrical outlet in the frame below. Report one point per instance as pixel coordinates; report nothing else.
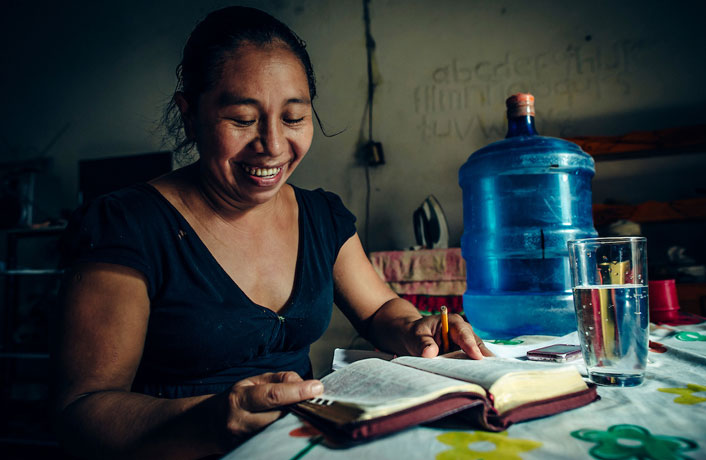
(375, 154)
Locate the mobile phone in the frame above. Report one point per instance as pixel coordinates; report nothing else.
(560, 353)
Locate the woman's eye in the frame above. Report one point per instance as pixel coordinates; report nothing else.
(293, 121)
(241, 122)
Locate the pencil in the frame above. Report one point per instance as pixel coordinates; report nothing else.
(445, 328)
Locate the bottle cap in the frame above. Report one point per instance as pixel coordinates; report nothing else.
(663, 296)
(520, 105)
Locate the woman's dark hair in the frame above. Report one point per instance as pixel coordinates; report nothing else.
(210, 44)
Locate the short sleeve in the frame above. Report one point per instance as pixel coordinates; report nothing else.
(343, 219)
(107, 231)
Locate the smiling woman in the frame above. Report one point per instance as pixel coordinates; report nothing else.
(191, 301)
(251, 133)
(211, 41)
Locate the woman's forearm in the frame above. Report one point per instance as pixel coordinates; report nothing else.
(119, 424)
(389, 327)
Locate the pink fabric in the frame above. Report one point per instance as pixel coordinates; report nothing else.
(420, 265)
(454, 287)
(429, 278)
(432, 303)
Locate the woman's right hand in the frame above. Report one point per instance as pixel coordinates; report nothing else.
(255, 402)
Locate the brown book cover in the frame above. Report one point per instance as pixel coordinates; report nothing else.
(346, 414)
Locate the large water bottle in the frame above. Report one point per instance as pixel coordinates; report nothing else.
(524, 197)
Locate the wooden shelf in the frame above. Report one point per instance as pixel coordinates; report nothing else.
(644, 144)
(24, 367)
(22, 355)
(32, 271)
(651, 211)
(31, 231)
(648, 153)
(28, 425)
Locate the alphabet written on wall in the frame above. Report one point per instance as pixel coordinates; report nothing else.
(460, 100)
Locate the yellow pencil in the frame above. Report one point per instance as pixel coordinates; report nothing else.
(445, 328)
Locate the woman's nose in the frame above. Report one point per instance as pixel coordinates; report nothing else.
(272, 138)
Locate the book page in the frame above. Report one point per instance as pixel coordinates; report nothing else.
(343, 357)
(510, 381)
(374, 382)
(484, 372)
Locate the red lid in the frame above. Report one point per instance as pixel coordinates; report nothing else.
(520, 105)
(663, 295)
(664, 316)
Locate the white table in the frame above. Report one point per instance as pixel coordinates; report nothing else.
(664, 416)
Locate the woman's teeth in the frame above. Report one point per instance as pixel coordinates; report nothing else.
(261, 172)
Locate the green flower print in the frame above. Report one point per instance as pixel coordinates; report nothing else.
(507, 341)
(623, 442)
(686, 336)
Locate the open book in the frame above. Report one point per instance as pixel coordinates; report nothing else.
(373, 397)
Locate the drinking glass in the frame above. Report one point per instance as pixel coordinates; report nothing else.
(609, 279)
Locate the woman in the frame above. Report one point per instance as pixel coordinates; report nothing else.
(220, 272)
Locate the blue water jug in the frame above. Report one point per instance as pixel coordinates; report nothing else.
(524, 197)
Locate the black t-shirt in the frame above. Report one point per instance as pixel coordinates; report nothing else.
(204, 333)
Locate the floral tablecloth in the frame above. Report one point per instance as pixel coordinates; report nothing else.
(664, 418)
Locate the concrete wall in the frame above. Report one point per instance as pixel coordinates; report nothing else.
(443, 68)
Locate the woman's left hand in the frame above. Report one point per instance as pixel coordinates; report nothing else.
(425, 337)
(390, 323)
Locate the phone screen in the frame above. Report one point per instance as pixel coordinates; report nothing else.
(559, 349)
(558, 352)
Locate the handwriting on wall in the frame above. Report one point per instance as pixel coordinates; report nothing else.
(456, 100)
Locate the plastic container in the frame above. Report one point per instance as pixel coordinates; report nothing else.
(524, 197)
(664, 304)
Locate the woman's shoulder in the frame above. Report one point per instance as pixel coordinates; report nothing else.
(327, 214)
(143, 197)
(172, 182)
(134, 200)
(320, 198)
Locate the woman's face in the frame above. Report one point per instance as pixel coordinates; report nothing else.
(255, 125)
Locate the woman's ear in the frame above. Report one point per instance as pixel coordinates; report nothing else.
(186, 115)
